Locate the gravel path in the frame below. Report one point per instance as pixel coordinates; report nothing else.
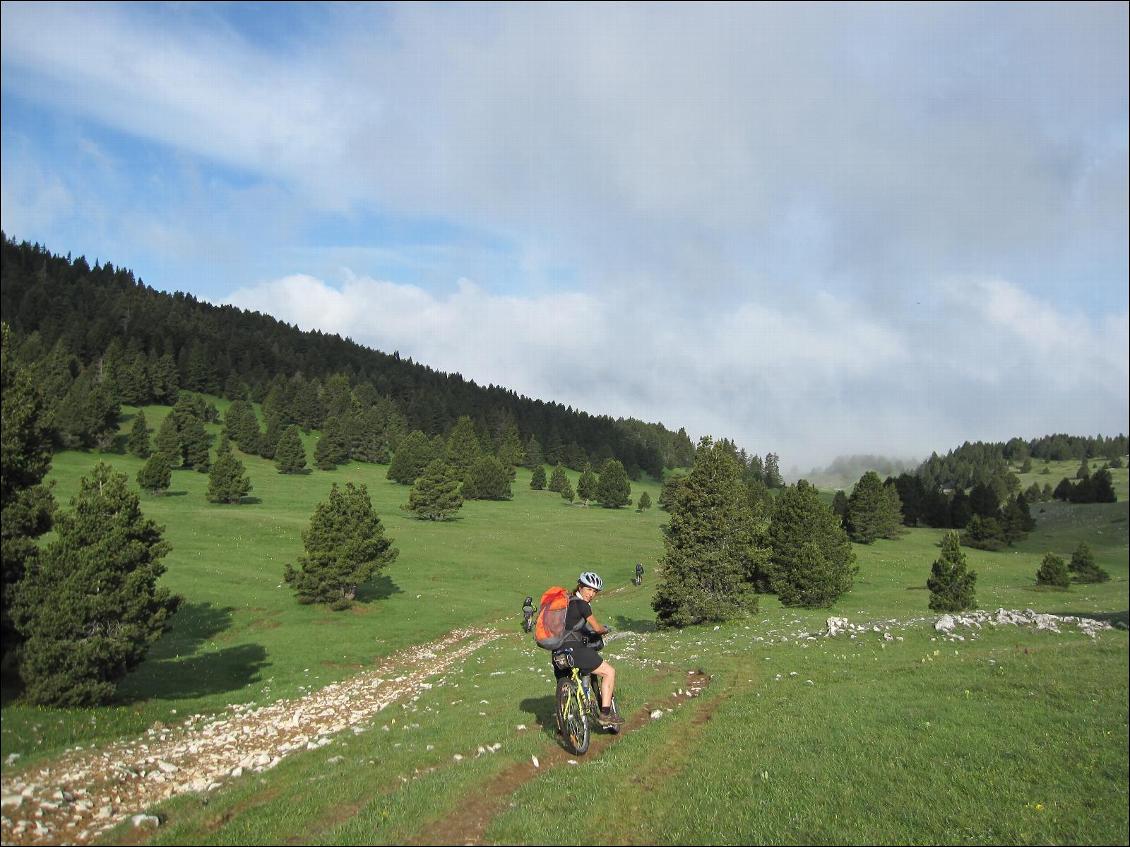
(83, 793)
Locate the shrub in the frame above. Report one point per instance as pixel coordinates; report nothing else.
(487, 479)
(435, 496)
(1053, 571)
(1083, 565)
(156, 475)
(345, 547)
(228, 481)
(290, 455)
(537, 479)
(613, 490)
(950, 583)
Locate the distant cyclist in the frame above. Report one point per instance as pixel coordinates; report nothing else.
(639, 573)
(585, 658)
(528, 611)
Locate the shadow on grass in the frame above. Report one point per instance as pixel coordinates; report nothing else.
(230, 669)
(378, 588)
(621, 622)
(192, 625)
(542, 709)
(1119, 620)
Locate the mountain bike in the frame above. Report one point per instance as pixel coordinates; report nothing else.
(578, 704)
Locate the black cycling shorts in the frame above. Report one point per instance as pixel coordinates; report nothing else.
(585, 659)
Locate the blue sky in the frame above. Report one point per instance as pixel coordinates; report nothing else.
(819, 230)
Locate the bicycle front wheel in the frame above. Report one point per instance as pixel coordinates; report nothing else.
(572, 719)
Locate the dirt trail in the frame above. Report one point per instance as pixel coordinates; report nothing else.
(84, 793)
(468, 823)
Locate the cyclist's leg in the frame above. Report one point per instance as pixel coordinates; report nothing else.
(607, 676)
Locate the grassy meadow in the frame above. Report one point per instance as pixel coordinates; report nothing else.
(1008, 736)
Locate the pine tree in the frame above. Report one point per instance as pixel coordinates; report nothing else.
(87, 414)
(811, 562)
(773, 471)
(90, 607)
(333, 447)
(195, 444)
(534, 458)
(463, 446)
(613, 490)
(711, 553)
(26, 504)
(873, 510)
(510, 451)
(487, 479)
(223, 444)
(1102, 487)
(644, 502)
(168, 441)
(567, 492)
(840, 504)
(1084, 471)
(1053, 572)
(290, 455)
(1016, 520)
(1083, 565)
(984, 534)
(537, 478)
(156, 474)
(228, 481)
(411, 457)
(370, 444)
(345, 547)
(435, 496)
(586, 485)
(138, 443)
(950, 583)
(669, 493)
(558, 480)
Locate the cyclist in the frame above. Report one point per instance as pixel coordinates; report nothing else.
(528, 610)
(585, 658)
(639, 573)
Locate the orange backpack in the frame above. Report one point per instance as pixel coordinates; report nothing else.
(549, 631)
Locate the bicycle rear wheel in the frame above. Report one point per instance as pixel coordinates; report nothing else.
(571, 718)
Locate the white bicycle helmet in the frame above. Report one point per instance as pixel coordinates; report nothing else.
(592, 580)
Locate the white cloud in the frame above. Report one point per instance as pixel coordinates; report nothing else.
(858, 231)
(808, 383)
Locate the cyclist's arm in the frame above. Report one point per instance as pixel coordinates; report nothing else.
(595, 626)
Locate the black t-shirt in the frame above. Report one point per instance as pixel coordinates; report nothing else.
(579, 610)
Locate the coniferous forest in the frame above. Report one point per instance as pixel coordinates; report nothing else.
(97, 337)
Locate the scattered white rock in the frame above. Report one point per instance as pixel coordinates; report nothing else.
(151, 821)
(656, 714)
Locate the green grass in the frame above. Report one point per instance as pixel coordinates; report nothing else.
(1011, 736)
(241, 636)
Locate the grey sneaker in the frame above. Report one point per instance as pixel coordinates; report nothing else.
(609, 719)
